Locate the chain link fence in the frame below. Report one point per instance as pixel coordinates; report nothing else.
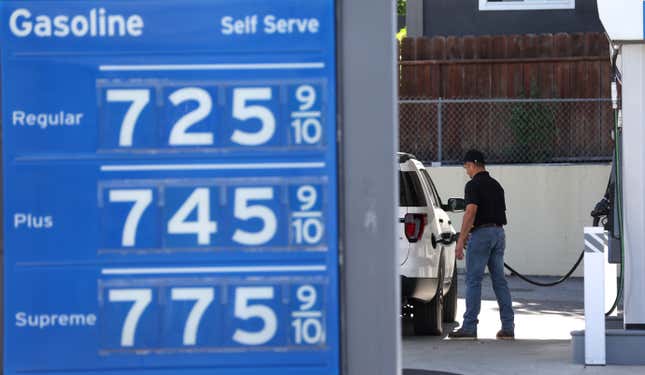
(507, 130)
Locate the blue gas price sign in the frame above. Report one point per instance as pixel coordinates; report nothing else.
(170, 187)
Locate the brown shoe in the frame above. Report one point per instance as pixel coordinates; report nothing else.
(505, 335)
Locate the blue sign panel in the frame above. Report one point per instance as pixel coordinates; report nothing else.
(170, 187)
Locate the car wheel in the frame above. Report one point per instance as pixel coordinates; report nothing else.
(428, 317)
(450, 301)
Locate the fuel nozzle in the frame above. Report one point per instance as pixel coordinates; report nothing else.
(602, 208)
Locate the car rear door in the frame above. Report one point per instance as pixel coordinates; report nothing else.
(443, 223)
(422, 258)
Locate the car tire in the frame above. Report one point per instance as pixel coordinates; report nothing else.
(450, 301)
(428, 316)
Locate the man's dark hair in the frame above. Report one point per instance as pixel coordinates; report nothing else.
(475, 156)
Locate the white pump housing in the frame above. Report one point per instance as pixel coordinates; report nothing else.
(622, 19)
(623, 22)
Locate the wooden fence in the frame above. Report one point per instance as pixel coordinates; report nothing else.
(516, 66)
(558, 66)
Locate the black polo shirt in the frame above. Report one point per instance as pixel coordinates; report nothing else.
(488, 195)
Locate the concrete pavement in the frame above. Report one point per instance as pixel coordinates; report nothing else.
(544, 319)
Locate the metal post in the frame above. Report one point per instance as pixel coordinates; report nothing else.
(370, 287)
(440, 131)
(633, 183)
(595, 240)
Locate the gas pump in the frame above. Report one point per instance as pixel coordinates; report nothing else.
(623, 23)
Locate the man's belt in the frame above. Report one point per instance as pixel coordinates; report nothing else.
(487, 225)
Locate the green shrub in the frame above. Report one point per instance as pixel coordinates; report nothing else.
(533, 127)
(400, 7)
(402, 34)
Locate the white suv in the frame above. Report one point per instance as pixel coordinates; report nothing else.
(426, 249)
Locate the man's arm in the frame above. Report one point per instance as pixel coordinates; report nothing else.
(466, 226)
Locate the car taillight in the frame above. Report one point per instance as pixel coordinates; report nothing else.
(414, 226)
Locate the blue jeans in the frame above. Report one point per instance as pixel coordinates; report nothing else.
(486, 247)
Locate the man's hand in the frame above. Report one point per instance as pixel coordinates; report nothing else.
(459, 250)
(466, 226)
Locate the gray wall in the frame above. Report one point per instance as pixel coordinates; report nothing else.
(463, 17)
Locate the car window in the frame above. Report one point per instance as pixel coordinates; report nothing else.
(411, 190)
(436, 200)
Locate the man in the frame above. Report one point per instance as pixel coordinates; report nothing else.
(484, 220)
